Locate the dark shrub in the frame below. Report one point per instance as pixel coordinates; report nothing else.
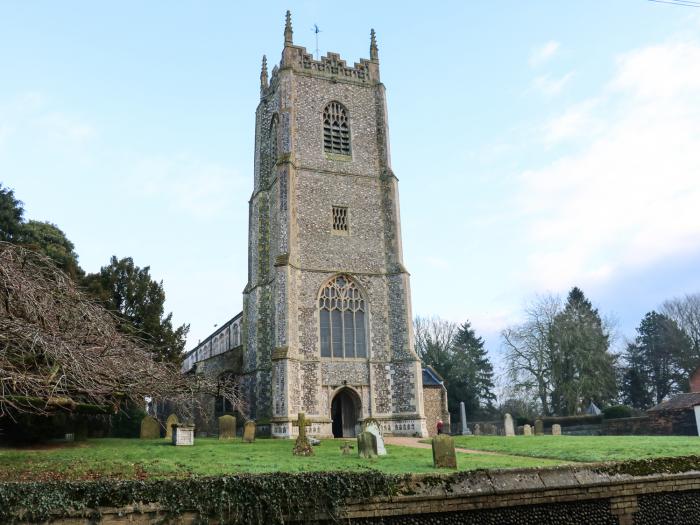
(618, 412)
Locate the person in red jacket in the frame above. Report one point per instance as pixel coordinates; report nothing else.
(440, 424)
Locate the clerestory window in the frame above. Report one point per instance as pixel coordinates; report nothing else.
(336, 129)
(342, 313)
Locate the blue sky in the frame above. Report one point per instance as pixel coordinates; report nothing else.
(539, 145)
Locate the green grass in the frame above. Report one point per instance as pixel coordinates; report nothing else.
(134, 458)
(585, 448)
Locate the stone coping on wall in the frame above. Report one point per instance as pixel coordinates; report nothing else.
(483, 489)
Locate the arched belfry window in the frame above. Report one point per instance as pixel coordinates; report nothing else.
(342, 315)
(336, 129)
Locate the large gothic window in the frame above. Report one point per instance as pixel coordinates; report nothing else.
(342, 312)
(336, 130)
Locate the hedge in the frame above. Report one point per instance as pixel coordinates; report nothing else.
(246, 498)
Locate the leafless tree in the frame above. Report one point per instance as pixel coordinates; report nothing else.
(434, 337)
(685, 311)
(528, 349)
(61, 351)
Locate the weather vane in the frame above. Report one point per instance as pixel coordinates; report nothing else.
(316, 30)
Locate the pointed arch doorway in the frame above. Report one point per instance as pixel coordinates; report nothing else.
(345, 413)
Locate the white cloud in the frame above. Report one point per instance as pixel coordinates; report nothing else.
(544, 53)
(29, 117)
(202, 189)
(629, 196)
(550, 86)
(575, 122)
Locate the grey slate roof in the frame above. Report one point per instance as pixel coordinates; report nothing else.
(431, 377)
(678, 402)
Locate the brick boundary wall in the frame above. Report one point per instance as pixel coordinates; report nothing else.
(560, 495)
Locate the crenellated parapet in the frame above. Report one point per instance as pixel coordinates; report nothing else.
(331, 66)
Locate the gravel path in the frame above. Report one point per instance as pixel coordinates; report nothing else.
(416, 443)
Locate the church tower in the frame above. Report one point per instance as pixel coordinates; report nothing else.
(327, 322)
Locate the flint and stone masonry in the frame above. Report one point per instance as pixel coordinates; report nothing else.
(296, 248)
(324, 229)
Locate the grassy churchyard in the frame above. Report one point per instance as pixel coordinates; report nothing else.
(585, 448)
(141, 459)
(145, 459)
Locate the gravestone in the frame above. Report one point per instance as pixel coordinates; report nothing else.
(227, 427)
(539, 427)
(527, 430)
(345, 448)
(249, 432)
(172, 420)
(556, 429)
(372, 426)
(508, 424)
(489, 429)
(444, 455)
(150, 428)
(183, 435)
(477, 429)
(366, 445)
(302, 447)
(463, 416)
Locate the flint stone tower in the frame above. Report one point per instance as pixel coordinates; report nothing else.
(327, 322)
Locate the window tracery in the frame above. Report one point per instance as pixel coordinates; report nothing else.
(342, 312)
(336, 129)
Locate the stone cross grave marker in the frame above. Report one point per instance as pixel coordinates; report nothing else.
(302, 447)
(227, 427)
(372, 426)
(172, 420)
(539, 427)
(249, 431)
(444, 455)
(150, 428)
(366, 445)
(508, 424)
(345, 448)
(527, 430)
(556, 429)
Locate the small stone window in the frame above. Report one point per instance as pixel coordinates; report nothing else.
(336, 130)
(340, 218)
(342, 317)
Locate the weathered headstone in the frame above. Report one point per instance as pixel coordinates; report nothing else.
(508, 424)
(444, 455)
(345, 448)
(477, 429)
(183, 435)
(172, 420)
(372, 426)
(527, 430)
(489, 429)
(366, 445)
(249, 432)
(227, 427)
(150, 428)
(556, 429)
(463, 417)
(539, 427)
(302, 447)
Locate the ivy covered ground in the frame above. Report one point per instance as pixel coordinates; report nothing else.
(585, 448)
(146, 459)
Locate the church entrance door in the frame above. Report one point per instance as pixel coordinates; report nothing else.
(344, 411)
